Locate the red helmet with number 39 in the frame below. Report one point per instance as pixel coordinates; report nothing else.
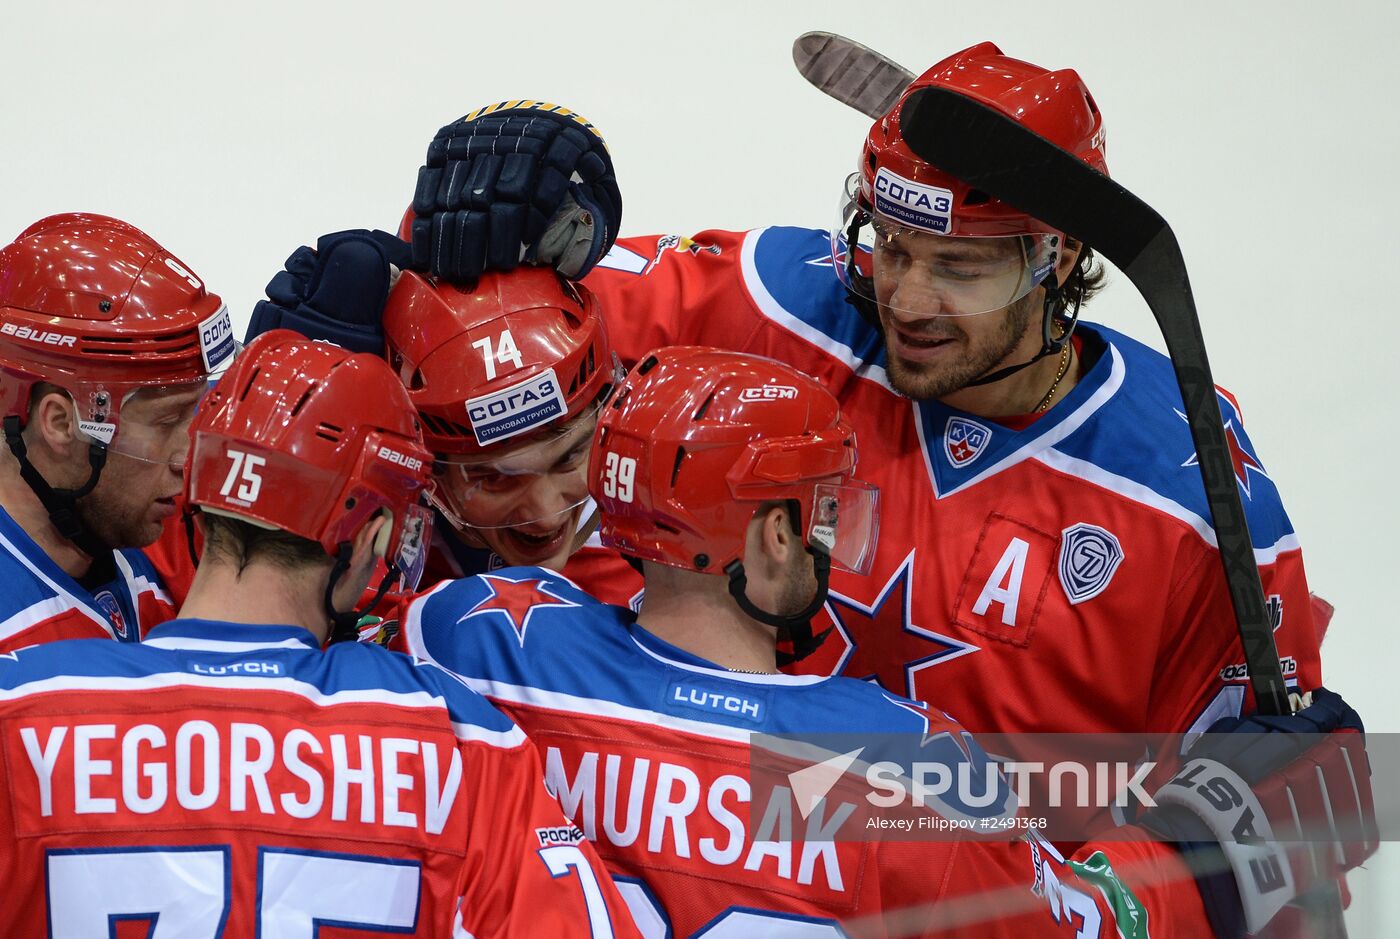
(696, 440)
(314, 440)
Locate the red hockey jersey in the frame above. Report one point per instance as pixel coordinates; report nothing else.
(1059, 577)
(40, 602)
(222, 780)
(648, 749)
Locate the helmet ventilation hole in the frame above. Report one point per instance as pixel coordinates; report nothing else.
(676, 470)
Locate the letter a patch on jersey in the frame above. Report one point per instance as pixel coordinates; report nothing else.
(1005, 585)
(964, 440)
(1089, 557)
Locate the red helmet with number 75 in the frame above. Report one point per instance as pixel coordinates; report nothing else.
(696, 439)
(314, 440)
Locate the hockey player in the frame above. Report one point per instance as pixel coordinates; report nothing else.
(229, 778)
(507, 373)
(731, 478)
(1053, 538)
(107, 342)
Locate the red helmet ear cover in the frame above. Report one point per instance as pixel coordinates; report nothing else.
(453, 345)
(95, 306)
(689, 446)
(330, 436)
(1055, 104)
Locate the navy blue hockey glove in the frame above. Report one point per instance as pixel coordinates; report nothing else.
(1267, 808)
(512, 182)
(335, 293)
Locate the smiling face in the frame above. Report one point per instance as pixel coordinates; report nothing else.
(523, 503)
(952, 309)
(144, 472)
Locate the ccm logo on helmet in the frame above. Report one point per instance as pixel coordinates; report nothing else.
(41, 337)
(769, 393)
(407, 462)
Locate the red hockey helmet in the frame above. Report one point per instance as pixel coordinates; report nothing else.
(497, 368)
(894, 192)
(695, 439)
(314, 440)
(95, 306)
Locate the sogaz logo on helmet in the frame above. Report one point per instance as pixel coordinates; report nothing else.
(216, 342)
(929, 208)
(518, 409)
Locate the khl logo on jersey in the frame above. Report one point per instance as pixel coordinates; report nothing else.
(107, 603)
(964, 440)
(1089, 557)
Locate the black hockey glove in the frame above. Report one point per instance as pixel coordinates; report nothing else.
(335, 293)
(1267, 808)
(512, 182)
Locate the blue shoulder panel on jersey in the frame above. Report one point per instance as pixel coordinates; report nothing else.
(794, 266)
(248, 653)
(1141, 435)
(534, 629)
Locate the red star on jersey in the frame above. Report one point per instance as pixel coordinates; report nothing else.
(885, 646)
(1242, 460)
(517, 600)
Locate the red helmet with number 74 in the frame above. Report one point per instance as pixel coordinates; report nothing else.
(696, 439)
(507, 374)
(314, 440)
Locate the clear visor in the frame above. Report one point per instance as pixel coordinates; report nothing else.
(846, 523)
(906, 268)
(537, 484)
(151, 425)
(410, 556)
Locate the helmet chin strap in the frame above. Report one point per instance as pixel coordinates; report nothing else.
(797, 627)
(1050, 344)
(345, 624)
(62, 504)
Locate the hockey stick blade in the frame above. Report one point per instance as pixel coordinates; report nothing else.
(853, 74)
(995, 154)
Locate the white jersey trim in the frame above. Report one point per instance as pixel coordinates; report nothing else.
(221, 645)
(63, 596)
(31, 615)
(1098, 476)
(778, 679)
(140, 583)
(424, 700)
(775, 311)
(1044, 441)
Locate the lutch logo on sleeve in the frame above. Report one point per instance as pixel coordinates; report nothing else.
(515, 410)
(964, 441)
(929, 208)
(1089, 557)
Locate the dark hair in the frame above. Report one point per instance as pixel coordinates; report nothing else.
(242, 542)
(1084, 281)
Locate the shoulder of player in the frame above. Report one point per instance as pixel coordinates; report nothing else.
(72, 664)
(1138, 445)
(849, 705)
(506, 615)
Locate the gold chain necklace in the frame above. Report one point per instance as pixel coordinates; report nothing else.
(1059, 376)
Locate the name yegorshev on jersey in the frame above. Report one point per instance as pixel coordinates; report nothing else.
(142, 769)
(673, 812)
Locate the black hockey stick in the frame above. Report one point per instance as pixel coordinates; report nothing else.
(999, 156)
(856, 75)
(995, 154)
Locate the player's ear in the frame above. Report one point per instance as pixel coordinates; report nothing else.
(53, 421)
(779, 538)
(1068, 257)
(371, 541)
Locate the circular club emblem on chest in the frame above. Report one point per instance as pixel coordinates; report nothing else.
(1089, 556)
